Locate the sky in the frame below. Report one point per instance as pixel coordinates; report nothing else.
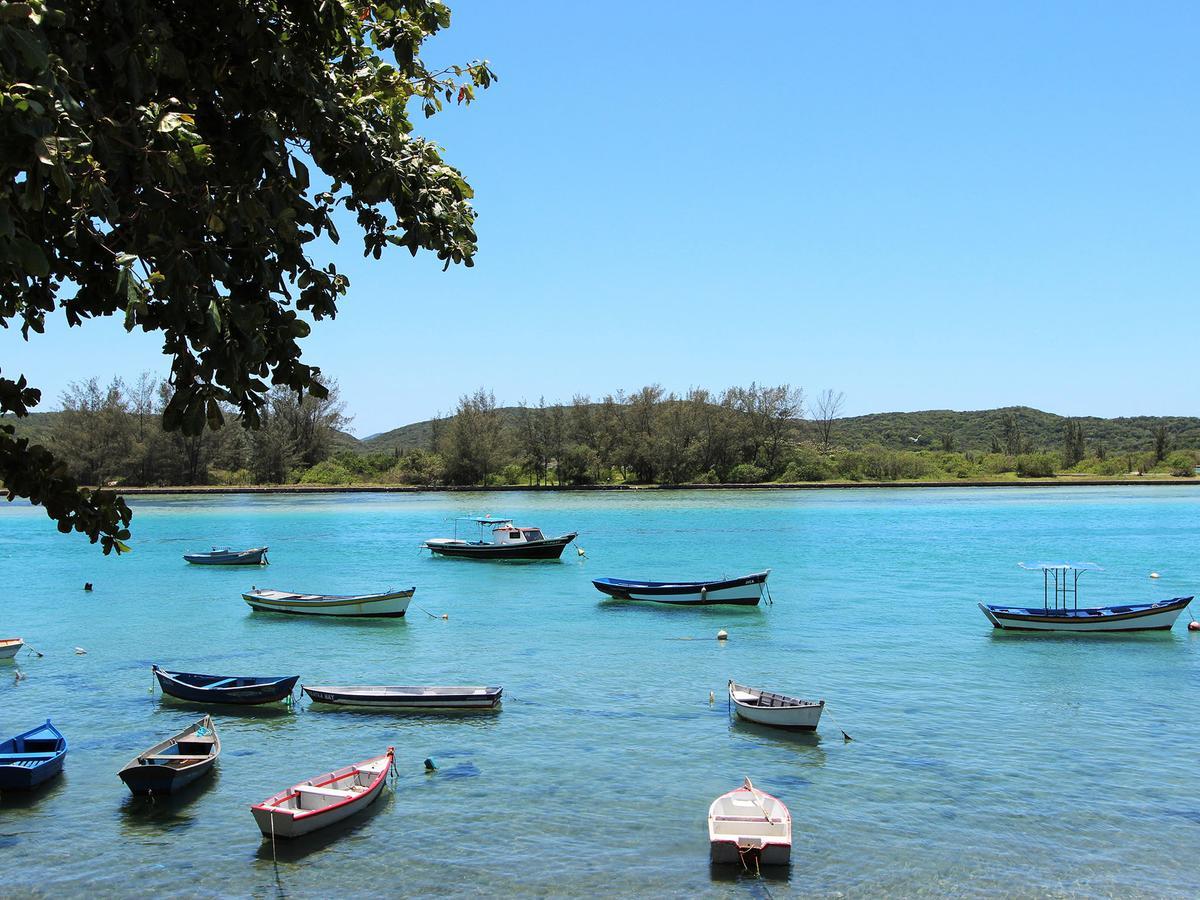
(925, 206)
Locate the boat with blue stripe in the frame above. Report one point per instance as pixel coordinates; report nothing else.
(32, 757)
(745, 590)
(1060, 609)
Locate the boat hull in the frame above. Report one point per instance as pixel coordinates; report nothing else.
(32, 758)
(274, 821)
(266, 691)
(775, 710)
(391, 605)
(159, 780)
(744, 591)
(1132, 617)
(10, 648)
(411, 698)
(725, 852)
(255, 557)
(551, 548)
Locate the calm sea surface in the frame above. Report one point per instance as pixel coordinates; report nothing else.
(982, 763)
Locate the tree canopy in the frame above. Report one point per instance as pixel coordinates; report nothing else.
(154, 164)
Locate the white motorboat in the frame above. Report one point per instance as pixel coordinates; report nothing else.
(323, 800)
(749, 825)
(777, 710)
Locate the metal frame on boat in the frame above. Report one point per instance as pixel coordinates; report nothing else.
(1060, 610)
(746, 590)
(323, 799)
(223, 556)
(508, 541)
(749, 825)
(32, 757)
(176, 762)
(240, 690)
(776, 710)
(385, 605)
(405, 697)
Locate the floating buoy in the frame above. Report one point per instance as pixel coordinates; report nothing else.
(722, 635)
(429, 765)
(1193, 625)
(79, 651)
(711, 698)
(87, 585)
(1153, 574)
(446, 616)
(580, 551)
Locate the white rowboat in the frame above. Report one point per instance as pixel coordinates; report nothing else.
(777, 710)
(10, 647)
(398, 697)
(749, 824)
(323, 800)
(387, 605)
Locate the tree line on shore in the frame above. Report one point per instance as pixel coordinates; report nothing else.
(112, 435)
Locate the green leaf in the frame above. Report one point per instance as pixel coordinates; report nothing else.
(31, 257)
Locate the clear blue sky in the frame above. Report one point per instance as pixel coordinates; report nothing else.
(923, 205)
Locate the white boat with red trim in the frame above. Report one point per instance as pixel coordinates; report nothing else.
(1060, 610)
(324, 799)
(749, 825)
(385, 605)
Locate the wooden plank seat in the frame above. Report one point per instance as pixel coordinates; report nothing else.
(19, 757)
(173, 756)
(224, 682)
(323, 792)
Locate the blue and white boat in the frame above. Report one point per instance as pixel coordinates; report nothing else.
(1060, 609)
(31, 758)
(223, 556)
(746, 590)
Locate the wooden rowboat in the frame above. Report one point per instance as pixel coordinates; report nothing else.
(223, 556)
(749, 825)
(10, 647)
(242, 690)
(324, 799)
(746, 590)
(387, 605)
(178, 761)
(32, 757)
(777, 710)
(417, 698)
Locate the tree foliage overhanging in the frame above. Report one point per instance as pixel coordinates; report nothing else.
(152, 164)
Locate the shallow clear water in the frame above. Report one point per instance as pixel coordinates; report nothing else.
(982, 762)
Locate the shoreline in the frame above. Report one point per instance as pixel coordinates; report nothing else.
(585, 488)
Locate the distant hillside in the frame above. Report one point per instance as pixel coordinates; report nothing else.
(36, 426)
(971, 430)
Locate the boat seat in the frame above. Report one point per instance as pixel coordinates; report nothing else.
(222, 683)
(17, 757)
(743, 697)
(174, 756)
(323, 792)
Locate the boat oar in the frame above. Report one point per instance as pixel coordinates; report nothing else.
(845, 737)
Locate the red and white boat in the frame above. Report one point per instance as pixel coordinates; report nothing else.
(749, 825)
(323, 800)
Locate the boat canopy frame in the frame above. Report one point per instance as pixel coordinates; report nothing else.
(1065, 577)
(483, 522)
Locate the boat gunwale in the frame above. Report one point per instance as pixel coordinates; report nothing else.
(329, 778)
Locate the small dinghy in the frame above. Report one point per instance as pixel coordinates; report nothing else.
(169, 765)
(418, 698)
(223, 556)
(243, 690)
(387, 605)
(323, 800)
(777, 710)
(31, 757)
(747, 590)
(749, 825)
(10, 647)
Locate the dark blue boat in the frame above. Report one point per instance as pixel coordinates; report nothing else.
(243, 690)
(31, 758)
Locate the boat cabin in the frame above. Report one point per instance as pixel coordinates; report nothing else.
(504, 532)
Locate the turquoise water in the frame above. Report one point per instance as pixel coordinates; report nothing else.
(982, 762)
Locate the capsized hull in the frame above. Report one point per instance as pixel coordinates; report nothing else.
(551, 548)
(391, 605)
(1132, 617)
(744, 591)
(411, 698)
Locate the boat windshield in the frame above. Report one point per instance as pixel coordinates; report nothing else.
(532, 534)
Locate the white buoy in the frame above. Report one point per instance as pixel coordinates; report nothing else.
(722, 635)
(711, 698)
(1153, 574)
(79, 651)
